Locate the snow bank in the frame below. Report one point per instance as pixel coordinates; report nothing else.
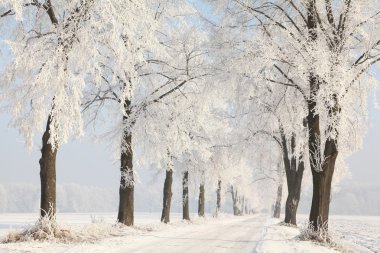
(280, 238)
(100, 228)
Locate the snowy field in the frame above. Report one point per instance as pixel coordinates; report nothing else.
(363, 231)
(359, 230)
(351, 233)
(254, 233)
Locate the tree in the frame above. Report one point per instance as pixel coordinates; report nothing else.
(294, 167)
(201, 198)
(235, 202)
(185, 196)
(313, 48)
(218, 197)
(291, 145)
(159, 67)
(167, 194)
(42, 84)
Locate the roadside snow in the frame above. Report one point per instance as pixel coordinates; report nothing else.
(283, 239)
(361, 233)
(226, 234)
(350, 233)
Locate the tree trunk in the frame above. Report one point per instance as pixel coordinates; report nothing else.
(201, 201)
(48, 175)
(294, 193)
(185, 196)
(235, 202)
(218, 197)
(165, 217)
(294, 175)
(277, 206)
(322, 167)
(48, 157)
(126, 190)
(320, 205)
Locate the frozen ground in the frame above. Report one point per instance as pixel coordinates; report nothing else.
(227, 234)
(362, 231)
(351, 233)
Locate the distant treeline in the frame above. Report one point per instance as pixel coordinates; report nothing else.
(80, 198)
(72, 198)
(354, 200)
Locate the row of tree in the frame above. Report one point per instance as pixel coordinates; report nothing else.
(203, 88)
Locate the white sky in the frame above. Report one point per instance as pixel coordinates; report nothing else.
(92, 164)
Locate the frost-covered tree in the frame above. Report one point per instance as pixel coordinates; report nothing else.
(287, 130)
(291, 142)
(181, 117)
(324, 51)
(180, 135)
(142, 67)
(43, 82)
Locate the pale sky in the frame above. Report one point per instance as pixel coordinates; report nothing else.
(92, 164)
(80, 162)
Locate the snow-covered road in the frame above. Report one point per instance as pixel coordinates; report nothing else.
(236, 235)
(232, 235)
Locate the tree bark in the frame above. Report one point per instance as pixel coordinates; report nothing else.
(294, 193)
(277, 206)
(218, 197)
(126, 189)
(201, 201)
(185, 196)
(48, 175)
(320, 205)
(165, 217)
(294, 174)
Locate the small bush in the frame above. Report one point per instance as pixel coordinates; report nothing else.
(45, 229)
(319, 234)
